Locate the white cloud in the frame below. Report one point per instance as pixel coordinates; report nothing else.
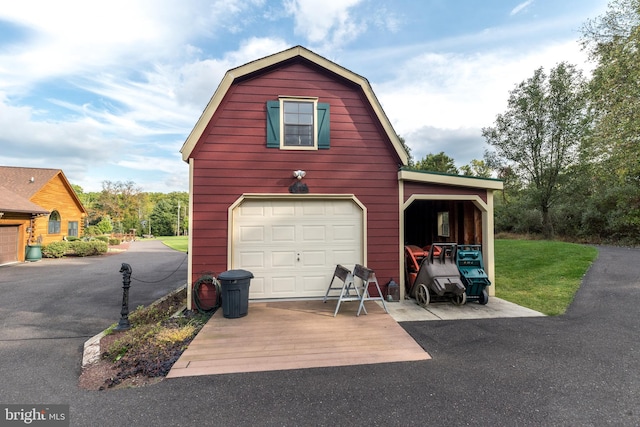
(462, 144)
(325, 22)
(71, 37)
(22, 136)
(130, 79)
(192, 84)
(136, 125)
(440, 97)
(522, 6)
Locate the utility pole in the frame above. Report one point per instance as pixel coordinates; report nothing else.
(178, 224)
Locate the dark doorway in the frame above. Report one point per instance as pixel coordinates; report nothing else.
(442, 221)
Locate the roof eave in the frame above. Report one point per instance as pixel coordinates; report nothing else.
(456, 180)
(25, 211)
(72, 192)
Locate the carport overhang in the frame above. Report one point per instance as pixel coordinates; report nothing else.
(453, 181)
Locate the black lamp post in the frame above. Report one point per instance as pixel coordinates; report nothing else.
(124, 324)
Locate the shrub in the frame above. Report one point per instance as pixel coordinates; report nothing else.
(93, 247)
(103, 238)
(105, 225)
(92, 230)
(114, 242)
(72, 238)
(55, 249)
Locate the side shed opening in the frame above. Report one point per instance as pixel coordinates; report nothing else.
(442, 221)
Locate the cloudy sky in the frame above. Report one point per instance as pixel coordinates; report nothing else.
(110, 90)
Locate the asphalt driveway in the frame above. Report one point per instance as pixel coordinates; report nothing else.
(579, 369)
(49, 308)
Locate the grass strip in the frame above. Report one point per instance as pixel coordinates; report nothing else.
(539, 274)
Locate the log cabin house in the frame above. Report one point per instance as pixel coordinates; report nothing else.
(294, 168)
(37, 206)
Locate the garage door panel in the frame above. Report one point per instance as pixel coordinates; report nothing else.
(315, 284)
(248, 211)
(8, 244)
(283, 285)
(283, 259)
(314, 209)
(346, 209)
(252, 259)
(345, 232)
(253, 234)
(282, 209)
(348, 258)
(283, 233)
(314, 233)
(257, 286)
(313, 258)
(300, 242)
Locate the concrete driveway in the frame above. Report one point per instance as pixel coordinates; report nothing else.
(579, 369)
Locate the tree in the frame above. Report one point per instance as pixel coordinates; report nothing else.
(477, 168)
(121, 201)
(163, 219)
(540, 134)
(408, 150)
(613, 43)
(105, 225)
(437, 163)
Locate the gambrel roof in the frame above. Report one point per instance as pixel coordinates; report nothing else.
(270, 61)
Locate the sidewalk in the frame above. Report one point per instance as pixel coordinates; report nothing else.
(409, 310)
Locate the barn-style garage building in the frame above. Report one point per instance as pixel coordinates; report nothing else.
(294, 168)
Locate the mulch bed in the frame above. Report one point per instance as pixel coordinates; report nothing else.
(102, 373)
(147, 362)
(116, 249)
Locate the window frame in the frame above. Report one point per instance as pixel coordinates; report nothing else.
(443, 224)
(57, 224)
(70, 228)
(314, 116)
(273, 125)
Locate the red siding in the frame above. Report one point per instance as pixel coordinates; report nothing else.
(231, 158)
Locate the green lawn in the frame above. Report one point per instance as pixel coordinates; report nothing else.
(179, 243)
(541, 275)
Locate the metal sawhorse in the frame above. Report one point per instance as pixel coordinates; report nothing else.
(366, 276)
(348, 285)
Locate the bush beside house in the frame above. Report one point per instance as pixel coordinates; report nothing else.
(80, 248)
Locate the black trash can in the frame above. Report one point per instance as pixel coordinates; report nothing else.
(234, 292)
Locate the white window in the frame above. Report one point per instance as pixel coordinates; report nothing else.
(299, 125)
(443, 224)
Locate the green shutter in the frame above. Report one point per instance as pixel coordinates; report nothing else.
(273, 124)
(323, 125)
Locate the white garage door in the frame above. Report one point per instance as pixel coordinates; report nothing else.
(8, 244)
(293, 246)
